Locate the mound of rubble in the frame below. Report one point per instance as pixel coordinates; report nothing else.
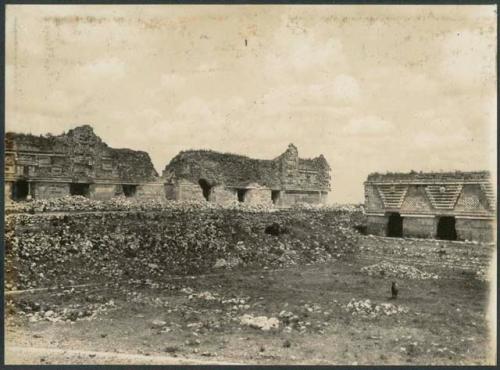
(82, 204)
(39, 311)
(260, 322)
(184, 239)
(79, 203)
(370, 309)
(67, 203)
(483, 275)
(392, 270)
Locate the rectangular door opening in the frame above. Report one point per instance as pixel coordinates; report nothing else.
(275, 196)
(395, 225)
(241, 195)
(206, 188)
(129, 190)
(446, 228)
(79, 189)
(20, 190)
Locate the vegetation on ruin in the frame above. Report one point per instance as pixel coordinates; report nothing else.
(224, 168)
(233, 169)
(414, 175)
(132, 165)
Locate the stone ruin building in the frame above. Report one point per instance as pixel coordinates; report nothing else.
(225, 178)
(75, 163)
(80, 163)
(452, 206)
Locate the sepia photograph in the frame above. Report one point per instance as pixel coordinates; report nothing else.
(250, 184)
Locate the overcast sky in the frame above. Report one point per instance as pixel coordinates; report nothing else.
(372, 88)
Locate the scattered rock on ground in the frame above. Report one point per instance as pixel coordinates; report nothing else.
(392, 270)
(370, 309)
(260, 322)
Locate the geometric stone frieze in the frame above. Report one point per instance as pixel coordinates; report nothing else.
(443, 196)
(392, 195)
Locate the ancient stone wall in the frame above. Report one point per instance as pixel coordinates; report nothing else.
(104, 191)
(185, 190)
(258, 196)
(7, 191)
(426, 228)
(466, 198)
(376, 225)
(471, 229)
(429, 176)
(291, 197)
(419, 227)
(416, 200)
(283, 181)
(216, 168)
(171, 192)
(47, 190)
(219, 194)
(303, 174)
(472, 199)
(78, 156)
(372, 199)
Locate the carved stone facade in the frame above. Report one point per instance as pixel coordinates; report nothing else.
(75, 163)
(225, 178)
(455, 205)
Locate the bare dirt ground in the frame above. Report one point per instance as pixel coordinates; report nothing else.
(198, 319)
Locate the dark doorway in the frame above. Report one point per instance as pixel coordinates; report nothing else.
(129, 190)
(362, 229)
(79, 189)
(275, 196)
(395, 226)
(241, 195)
(206, 188)
(20, 190)
(446, 228)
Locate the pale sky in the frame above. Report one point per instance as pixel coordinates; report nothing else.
(372, 88)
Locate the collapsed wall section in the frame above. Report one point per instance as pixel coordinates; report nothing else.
(148, 244)
(223, 178)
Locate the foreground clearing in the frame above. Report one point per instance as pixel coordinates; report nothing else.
(197, 320)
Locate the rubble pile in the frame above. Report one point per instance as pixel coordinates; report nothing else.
(233, 304)
(470, 258)
(67, 203)
(482, 274)
(260, 322)
(183, 240)
(292, 321)
(138, 297)
(35, 311)
(392, 270)
(288, 318)
(370, 309)
(77, 203)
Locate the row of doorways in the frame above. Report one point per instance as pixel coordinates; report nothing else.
(446, 229)
(21, 190)
(206, 189)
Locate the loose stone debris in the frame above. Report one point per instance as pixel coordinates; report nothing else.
(369, 309)
(77, 203)
(260, 322)
(72, 312)
(391, 270)
(181, 239)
